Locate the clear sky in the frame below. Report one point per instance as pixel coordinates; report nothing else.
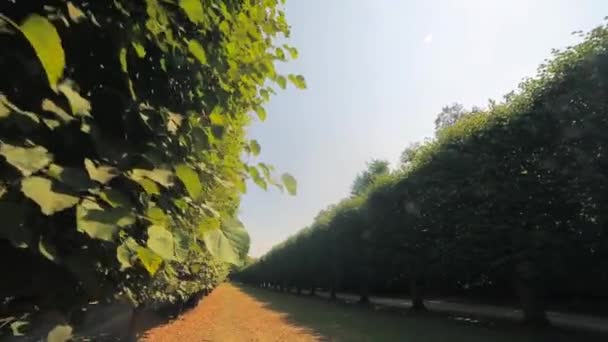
(378, 72)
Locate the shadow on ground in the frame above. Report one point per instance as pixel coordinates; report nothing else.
(352, 322)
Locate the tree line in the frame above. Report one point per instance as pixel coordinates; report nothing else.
(506, 201)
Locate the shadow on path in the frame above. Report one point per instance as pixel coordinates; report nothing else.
(350, 322)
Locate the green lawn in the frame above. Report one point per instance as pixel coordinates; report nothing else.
(351, 322)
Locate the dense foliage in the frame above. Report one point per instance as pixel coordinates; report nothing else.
(508, 199)
(121, 143)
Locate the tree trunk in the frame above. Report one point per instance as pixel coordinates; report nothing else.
(531, 303)
(416, 294)
(364, 293)
(312, 290)
(299, 291)
(332, 292)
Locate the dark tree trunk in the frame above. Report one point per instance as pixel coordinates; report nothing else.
(332, 292)
(416, 294)
(299, 290)
(312, 290)
(526, 287)
(364, 293)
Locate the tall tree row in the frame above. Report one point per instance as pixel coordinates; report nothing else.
(512, 200)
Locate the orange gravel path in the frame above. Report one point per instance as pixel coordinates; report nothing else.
(228, 315)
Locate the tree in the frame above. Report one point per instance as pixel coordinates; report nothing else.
(365, 179)
(450, 114)
(409, 153)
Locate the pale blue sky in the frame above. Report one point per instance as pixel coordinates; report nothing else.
(377, 74)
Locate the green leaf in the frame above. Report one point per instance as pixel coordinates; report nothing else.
(197, 51)
(157, 216)
(39, 190)
(290, 183)
(280, 54)
(298, 81)
(100, 223)
(74, 178)
(47, 250)
(114, 198)
(26, 159)
(255, 147)
(102, 173)
(292, 51)
(261, 112)
(149, 186)
(123, 255)
(78, 104)
(50, 106)
(46, 42)
(183, 243)
(257, 179)
(216, 117)
(229, 243)
(190, 179)
(140, 50)
(4, 109)
(60, 333)
(160, 240)
(194, 10)
(75, 13)
(160, 176)
(17, 326)
(127, 252)
(281, 81)
(122, 57)
(149, 259)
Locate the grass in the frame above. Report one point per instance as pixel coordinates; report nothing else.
(355, 323)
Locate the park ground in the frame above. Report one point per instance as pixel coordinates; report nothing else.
(241, 313)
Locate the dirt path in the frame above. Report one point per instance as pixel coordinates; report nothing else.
(228, 315)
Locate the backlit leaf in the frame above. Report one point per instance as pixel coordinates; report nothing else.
(26, 159)
(75, 13)
(149, 259)
(46, 42)
(140, 50)
(255, 147)
(161, 176)
(196, 49)
(229, 243)
(50, 106)
(102, 223)
(60, 333)
(40, 190)
(78, 104)
(157, 216)
(298, 81)
(102, 173)
(261, 112)
(190, 179)
(290, 183)
(160, 240)
(281, 81)
(194, 10)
